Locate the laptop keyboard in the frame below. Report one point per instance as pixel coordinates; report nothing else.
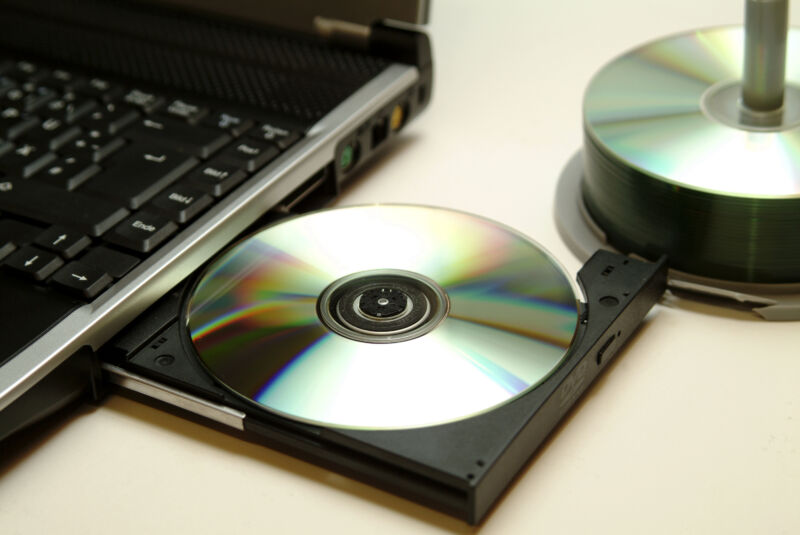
(95, 175)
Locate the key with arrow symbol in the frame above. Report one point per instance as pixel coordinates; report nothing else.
(33, 262)
(82, 280)
(64, 241)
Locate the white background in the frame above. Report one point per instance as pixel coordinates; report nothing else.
(694, 429)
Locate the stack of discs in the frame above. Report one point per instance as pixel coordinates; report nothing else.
(670, 167)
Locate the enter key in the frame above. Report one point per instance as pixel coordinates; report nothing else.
(138, 173)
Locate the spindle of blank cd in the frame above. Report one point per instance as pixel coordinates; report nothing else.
(692, 149)
(675, 164)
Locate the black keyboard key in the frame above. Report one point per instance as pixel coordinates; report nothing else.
(142, 232)
(6, 85)
(51, 133)
(38, 201)
(145, 101)
(6, 248)
(63, 241)
(33, 262)
(235, 124)
(28, 312)
(5, 147)
(18, 232)
(82, 280)
(27, 71)
(92, 145)
(68, 110)
(38, 97)
(28, 87)
(115, 263)
(110, 118)
(216, 177)
(138, 173)
(249, 155)
(26, 68)
(61, 79)
(14, 234)
(26, 159)
(68, 173)
(13, 97)
(271, 132)
(195, 140)
(100, 89)
(180, 203)
(188, 111)
(13, 123)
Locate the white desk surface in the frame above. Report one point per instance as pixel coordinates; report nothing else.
(694, 429)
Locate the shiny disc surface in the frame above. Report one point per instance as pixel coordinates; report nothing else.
(673, 164)
(649, 108)
(382, 317)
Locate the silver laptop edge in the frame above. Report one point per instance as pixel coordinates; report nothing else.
(92, 325)
(177, 398)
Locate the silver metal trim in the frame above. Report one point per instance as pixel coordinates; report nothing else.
(207, 409)
(92, 325)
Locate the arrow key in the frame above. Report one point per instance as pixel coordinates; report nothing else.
(34, 262)
(63, 241)
(82, 280)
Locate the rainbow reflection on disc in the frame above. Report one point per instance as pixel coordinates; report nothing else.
(382, 317)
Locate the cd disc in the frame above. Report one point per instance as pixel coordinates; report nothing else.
(672, 164)
(382, 317)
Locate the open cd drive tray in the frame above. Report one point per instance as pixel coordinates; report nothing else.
(460, 467)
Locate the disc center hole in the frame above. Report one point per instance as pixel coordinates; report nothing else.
(722, 103)
(383, 302)
(382, 306)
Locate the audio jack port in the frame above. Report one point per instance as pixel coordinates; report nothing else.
(397, 118)
(347, 158)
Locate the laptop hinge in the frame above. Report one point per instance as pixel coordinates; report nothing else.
(342, 32)
(385, 39)
(403, 45)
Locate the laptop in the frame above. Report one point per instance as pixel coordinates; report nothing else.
(138, 138)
